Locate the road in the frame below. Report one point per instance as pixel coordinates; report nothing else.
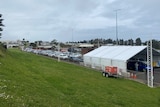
(142, 76)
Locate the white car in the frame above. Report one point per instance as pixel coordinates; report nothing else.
(63, 56)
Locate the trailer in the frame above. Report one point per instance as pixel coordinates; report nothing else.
(110, 71)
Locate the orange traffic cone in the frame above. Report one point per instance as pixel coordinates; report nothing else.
(134, 76)
(131, 75)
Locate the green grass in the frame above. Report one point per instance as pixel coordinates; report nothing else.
(29, 80)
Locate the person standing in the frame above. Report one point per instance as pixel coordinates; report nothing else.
(136, 66)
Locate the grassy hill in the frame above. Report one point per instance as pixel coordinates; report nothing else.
(2, 51)
(28, 80)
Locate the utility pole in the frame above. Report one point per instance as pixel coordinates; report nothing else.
(98, 43)
(117, 25)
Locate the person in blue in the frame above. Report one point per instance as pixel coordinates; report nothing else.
(136, 66)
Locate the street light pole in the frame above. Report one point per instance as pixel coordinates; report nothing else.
(72, 42)
(58, 52)
(117, 25)
(72, 35)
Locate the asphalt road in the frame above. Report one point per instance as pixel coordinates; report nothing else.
(142, 76)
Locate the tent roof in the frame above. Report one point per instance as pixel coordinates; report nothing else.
(116, 52)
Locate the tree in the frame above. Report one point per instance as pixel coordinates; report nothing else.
(33, 45)
(25, 43)
(121, 42)
(156, 44)
(1, 25)
(38, 43)
(54, 41)
(109, 41)
(130, 42)
(138, 42)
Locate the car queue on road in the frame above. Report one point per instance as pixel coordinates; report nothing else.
(69, 56)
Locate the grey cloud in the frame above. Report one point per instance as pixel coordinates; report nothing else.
(55, 19)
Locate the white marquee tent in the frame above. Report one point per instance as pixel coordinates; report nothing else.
(112, 56)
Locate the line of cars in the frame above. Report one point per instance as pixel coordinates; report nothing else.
(70, 56)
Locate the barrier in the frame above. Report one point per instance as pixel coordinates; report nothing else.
(132, 75)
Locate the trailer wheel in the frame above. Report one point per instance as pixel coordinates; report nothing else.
(103, 74)
(107, 75)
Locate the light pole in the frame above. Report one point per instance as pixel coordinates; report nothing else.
(72, 35)
(58, 52)
(117, 25)
(72, 45)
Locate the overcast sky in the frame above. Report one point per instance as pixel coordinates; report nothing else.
(75, 20)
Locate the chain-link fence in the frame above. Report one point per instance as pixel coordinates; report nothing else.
(142, 77)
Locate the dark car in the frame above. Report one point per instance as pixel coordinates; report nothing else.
(76, 59)
(142, 66)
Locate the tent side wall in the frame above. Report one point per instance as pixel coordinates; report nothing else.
(96, 63)
(105, 62)
(92, 62)
(122, 67)
(87, 61)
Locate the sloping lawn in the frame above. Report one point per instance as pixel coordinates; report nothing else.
(29, 80)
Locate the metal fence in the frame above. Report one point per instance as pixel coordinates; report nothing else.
(142, 77)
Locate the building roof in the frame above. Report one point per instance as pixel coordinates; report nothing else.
(116, 52)
(85, 45)
(45, 47)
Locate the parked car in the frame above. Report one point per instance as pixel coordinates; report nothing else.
(142, 65)
(75, 55)
(52, 54)
(63, 56)
(76, 59)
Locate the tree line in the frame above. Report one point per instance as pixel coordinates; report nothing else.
(131, 42)
(101, 42)
(114, 42)
(1, 25)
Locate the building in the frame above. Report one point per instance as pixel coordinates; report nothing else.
(85, 48)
